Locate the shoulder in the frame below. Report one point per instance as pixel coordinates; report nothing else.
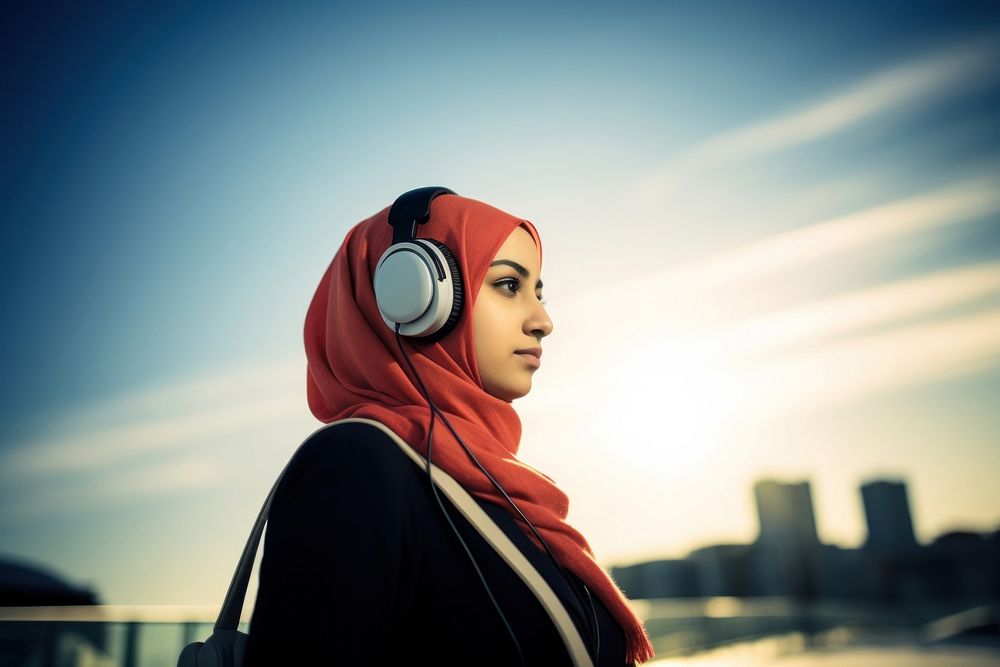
(353, 443)
(348, 458)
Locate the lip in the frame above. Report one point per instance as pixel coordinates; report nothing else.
(531, 355)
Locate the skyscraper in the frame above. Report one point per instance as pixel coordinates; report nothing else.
(887, 511)
(785, 511)
(787, 552)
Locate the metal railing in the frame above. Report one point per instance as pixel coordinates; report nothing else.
(153, 636)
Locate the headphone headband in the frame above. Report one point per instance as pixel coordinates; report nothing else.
(411, 209)
(417, 282)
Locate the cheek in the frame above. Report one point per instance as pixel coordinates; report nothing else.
(481, 328)
(486, 325)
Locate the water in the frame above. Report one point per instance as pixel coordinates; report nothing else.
(791, 652)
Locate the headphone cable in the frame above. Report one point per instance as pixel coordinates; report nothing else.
(430, 480)
(592, 620)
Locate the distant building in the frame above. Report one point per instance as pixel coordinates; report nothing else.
(787, 555)
(891, 548)
(847, 574)
(657, 579)
(890, 525)
(963, 565)
(787, 559)
(723, 569)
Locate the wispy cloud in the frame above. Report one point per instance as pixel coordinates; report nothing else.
(682, 330)
(181, 415)
(184, 394)
(853, 369)
(938, 75)
(879, 225)
(881, 306)
(116, 486)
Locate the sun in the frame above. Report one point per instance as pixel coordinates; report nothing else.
(668, 406)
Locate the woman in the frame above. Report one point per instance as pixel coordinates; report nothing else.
(364, 562)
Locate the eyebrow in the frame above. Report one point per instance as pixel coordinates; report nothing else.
(523, 272)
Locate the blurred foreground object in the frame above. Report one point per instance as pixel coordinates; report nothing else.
(23, 642)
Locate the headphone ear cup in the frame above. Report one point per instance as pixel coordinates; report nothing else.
(418, 285)
(458, 298)
(404, 287)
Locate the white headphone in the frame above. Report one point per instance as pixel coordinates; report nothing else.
(417, 281)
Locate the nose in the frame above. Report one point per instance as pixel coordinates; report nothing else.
(538, 324)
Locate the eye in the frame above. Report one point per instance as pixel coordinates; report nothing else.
(509, 282)
(515, 283)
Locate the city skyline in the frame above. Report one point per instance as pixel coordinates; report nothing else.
(928, 537)
(787, 558)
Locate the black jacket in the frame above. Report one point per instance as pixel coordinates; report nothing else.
(360, 567)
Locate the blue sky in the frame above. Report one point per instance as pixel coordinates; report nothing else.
(771, 230)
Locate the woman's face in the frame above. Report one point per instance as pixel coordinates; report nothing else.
(509, 316)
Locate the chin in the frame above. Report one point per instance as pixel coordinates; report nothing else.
(510, 392)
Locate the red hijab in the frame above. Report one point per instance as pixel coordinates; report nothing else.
(356, 370)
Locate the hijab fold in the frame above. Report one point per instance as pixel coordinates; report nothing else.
(355, 369)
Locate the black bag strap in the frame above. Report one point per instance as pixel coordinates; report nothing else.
(232, 608)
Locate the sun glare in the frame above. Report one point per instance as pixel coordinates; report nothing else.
(669, 405)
